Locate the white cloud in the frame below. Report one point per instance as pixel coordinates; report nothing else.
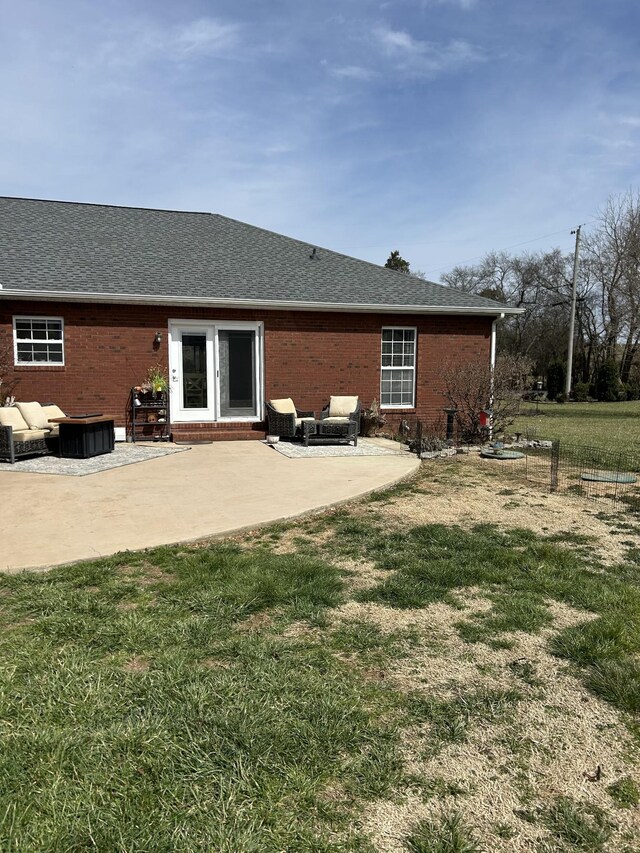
(416, 57)
(353, 72)
(204, 37)
(143, 42)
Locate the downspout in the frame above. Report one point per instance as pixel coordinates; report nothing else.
(492, 365)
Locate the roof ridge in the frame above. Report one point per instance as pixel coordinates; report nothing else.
(110, 206)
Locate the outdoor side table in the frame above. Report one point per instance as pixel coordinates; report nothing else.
(84, 437)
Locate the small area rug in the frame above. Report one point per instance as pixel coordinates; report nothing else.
(123, 454)
(297, 450)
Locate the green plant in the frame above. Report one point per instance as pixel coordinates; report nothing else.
(607, 381)
(624, 792)
(157, 379)
(450, 835)
(555, 379)
(581, 392)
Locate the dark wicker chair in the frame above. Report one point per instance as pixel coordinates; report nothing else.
(348, 427)
(353, 416)
(284, 425)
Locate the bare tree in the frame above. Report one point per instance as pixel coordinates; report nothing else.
(7, 386)
(472, 388)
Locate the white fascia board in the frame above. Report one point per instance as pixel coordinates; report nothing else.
(244, 304)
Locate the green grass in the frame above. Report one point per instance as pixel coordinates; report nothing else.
(613, 427)
(449, 835)
(625, 793)
(201, 698)
(136, 716)
(577, 826)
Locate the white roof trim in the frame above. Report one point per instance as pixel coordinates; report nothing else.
(267, 304)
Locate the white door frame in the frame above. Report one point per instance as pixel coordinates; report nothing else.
(210, 329)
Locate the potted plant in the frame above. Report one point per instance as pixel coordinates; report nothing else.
(157, 380)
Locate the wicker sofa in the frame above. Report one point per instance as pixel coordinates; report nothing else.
(284, 420)
(25, 430)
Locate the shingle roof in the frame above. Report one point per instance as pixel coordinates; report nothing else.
(50, 248)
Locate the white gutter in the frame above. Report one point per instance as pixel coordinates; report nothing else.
(492, 366)
(267, 304)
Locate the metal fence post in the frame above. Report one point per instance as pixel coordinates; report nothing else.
(419, 439)
(555, 461)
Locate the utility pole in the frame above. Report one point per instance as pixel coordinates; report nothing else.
(572, 320)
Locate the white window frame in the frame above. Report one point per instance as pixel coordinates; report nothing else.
(31, 318)
(391, 369)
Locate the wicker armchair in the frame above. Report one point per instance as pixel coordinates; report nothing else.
(330, 409)
(285, 424)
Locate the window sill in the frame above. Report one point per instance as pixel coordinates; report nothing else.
(48, 367)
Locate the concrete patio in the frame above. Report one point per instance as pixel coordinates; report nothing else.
(209, 490)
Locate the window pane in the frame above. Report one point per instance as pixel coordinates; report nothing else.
(23, 329)
(54, 329)
(24, 352)
(55, 353)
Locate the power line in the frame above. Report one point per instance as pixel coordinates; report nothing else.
(506, 248)
(468, 260)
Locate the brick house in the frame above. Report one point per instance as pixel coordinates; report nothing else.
(92, 296)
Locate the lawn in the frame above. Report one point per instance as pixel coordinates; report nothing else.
(610, 426)
(423, 670)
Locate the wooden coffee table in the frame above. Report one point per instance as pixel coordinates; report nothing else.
(85, 436)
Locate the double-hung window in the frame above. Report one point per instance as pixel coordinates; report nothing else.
(398, 368)
(38, 340)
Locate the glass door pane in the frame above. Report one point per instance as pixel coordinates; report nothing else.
(237, 368)
(194, 371)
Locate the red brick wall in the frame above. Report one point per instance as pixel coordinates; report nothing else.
(308, 356)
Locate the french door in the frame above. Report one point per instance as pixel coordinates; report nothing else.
(216, 370)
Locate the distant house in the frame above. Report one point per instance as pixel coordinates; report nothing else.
(91, 296)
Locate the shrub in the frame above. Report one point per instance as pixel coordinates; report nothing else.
(555, 379)
(561, 397)
(471, 388)
(581, 392)
(607, 381)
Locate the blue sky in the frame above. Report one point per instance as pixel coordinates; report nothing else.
(442, 128)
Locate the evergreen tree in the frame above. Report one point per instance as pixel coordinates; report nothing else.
(396, 262)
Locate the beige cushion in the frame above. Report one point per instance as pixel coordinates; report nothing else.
(29, 434)
(341, 407)
(33, 415)
(284, 406)
(299, 420)
(11, 416)
(55, 430)
(53, 412)
(335, 420)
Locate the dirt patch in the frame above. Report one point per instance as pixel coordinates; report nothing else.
(471, 492)
(136, 664)
(503, 772)
(146, 574)
(255, 622)
(360, 574)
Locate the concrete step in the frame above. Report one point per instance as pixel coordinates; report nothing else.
(194, 436)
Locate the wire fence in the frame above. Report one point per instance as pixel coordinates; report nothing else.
(609, 476)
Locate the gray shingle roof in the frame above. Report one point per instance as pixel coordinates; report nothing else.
(49, 248)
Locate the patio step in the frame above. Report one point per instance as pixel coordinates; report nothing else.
(179, 434)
